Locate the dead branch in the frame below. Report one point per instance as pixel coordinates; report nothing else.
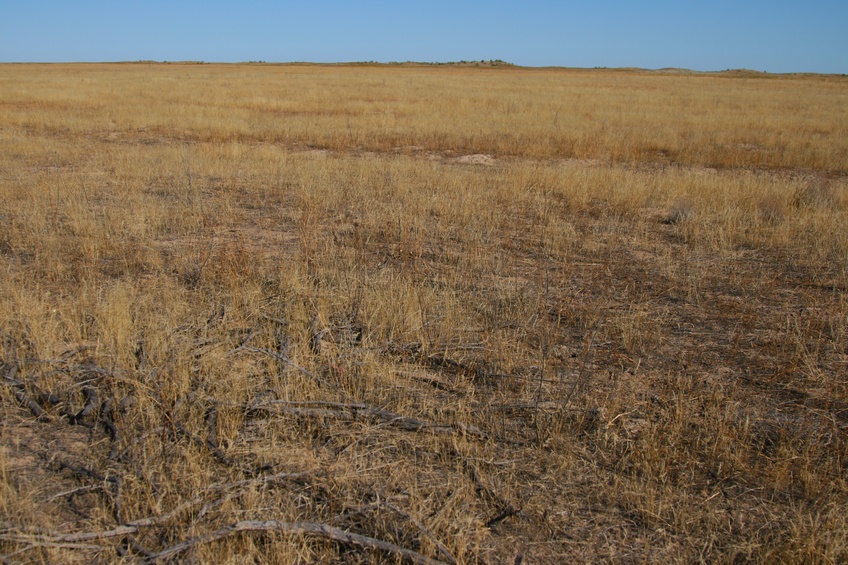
(73, 492)
(57, 545)
(298, 528)
(352, 411)
(46, 539)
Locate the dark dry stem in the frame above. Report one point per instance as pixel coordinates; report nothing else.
(298, 528)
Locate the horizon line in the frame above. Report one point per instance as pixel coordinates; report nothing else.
(490, 63)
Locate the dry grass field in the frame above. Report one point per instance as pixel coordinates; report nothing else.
(293, 314)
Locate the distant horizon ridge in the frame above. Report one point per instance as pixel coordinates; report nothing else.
(487, 63)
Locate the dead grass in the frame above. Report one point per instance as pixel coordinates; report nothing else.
(347, 314)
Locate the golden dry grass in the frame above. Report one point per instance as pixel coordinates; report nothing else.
(471, 314)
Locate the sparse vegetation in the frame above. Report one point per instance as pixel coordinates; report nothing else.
(426, 313)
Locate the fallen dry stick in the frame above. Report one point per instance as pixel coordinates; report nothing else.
(292, 528)
(298, 528)
(69, 540)
(352, 411)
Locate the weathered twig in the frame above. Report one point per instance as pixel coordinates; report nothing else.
(38, 540)
(74, 492)
(44, 540)
(61, 545)
(298, 528)
(352, 411)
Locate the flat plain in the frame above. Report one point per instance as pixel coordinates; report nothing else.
(420, 313)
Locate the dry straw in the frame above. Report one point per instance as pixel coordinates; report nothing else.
(408, 313)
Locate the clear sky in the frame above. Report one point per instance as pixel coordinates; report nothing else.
(773, 36)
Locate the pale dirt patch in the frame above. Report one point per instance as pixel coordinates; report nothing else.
(477, 159)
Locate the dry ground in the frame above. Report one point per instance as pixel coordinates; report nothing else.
(477, 315)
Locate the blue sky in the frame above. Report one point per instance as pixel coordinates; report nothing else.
(772, 36)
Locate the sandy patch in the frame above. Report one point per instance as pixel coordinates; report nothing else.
(477, 159)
